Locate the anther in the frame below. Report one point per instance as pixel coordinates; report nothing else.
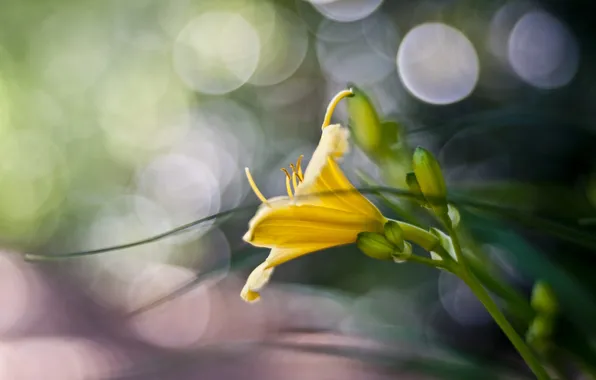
(299, 168)
(294, 181)
(288, 186)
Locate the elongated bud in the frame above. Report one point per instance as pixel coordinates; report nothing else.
(430, 180)
(364, 123)
(375, 245)
(374, 137)
(544, 299)
(418, 236)
(414, 188)
(395, 235)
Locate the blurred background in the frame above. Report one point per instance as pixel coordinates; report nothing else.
(123, 119)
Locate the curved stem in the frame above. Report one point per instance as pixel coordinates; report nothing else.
(526, 353)
(430, 262)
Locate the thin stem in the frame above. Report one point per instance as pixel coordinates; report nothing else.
(400, 211)
(154, 238)
(430, 262)
(517, 304)
(526, 353)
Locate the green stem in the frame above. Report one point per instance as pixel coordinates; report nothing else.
(430, 262)
(517, 305)
(526, 353)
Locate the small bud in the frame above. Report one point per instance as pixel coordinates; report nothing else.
(544, 299)
(404, 255)
(541, 327)
(414, 188)
(375, 245)
(454, 216)
(445, 242)
(395, 235)
(540, 332)
(430, 179)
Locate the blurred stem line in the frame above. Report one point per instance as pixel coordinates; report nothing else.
(557, 229)
(397, 209)
(587, 221)
(152, 239)
(429, 262)
(191, 284)
(520, 345)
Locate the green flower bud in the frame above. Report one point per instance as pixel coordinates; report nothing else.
(414, 188)
(418, 236)
(544, 299)
(364, 123)
(445, 242)
(454, 216)
(404, 255)
(430, 179)
(540, 332)
(541, 345)
(375, 245)
(374, 137)
(541, 326)
(395, 235)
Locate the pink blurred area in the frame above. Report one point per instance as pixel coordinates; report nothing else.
(52, 328)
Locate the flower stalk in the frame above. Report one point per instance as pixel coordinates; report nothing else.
(491, 307)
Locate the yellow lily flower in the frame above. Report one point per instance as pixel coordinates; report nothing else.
(322, 209)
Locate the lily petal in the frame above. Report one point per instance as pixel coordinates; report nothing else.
(293, 225)
(279, 256)
(258, 278)
(325, 181)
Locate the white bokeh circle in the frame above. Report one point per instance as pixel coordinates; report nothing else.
(438, 64)
(217, 52)
(346, 10)
(542, 51)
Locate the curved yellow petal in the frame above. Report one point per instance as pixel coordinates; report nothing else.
(326, 182)
(293, 226)
(333, 190)
(258, 278)
(333, 143)
(279, 256)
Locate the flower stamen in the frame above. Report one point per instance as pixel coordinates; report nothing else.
(294, 181)
(299, 168)
(333, 104)
(254, 187)
(288, 186)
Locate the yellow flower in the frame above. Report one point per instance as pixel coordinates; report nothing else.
(322, 209)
